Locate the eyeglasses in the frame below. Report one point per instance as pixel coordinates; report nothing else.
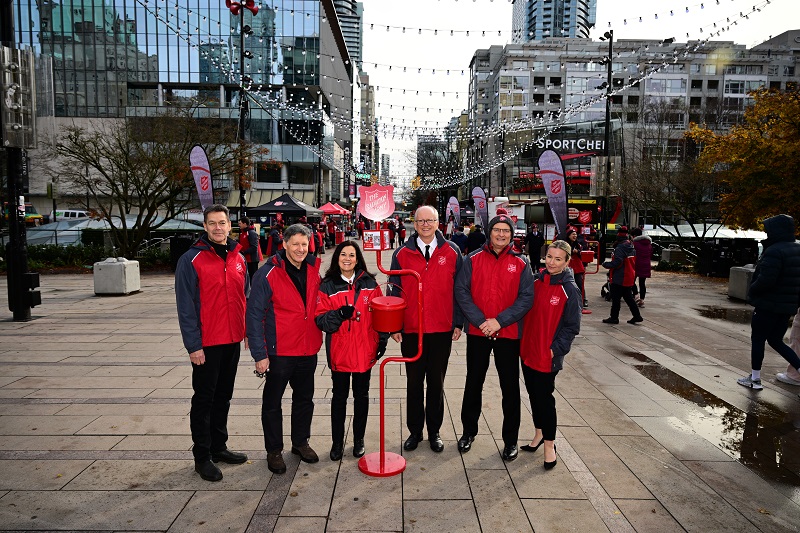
(426, 221)
(500, 230)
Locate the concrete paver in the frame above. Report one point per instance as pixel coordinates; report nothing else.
(94, 432)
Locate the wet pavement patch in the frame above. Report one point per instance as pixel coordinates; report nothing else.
(740, 315)
(766, 439)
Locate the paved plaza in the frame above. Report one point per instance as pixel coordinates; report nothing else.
(654, 433)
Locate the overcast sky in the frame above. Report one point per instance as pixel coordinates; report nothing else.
(443, 51)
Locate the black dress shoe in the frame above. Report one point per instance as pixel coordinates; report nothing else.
(465, 443)
(529, 448)
(436, 443)
(208, 470)
(275, 462)
(227, 456)
(635, 320)
(337, 450)
(411, 442)
(510, 452)
(549, 465)
(358, 448)
(610, 321)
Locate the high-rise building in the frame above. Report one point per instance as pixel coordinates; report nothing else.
(351, 15)
(385, 170)
(112, 60)
(534, 20)
(518, 90)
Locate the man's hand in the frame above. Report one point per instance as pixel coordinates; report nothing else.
(397, 337)
(198, 357)
(490, 327)
(262, 366)
(246, 344)
(456, 334)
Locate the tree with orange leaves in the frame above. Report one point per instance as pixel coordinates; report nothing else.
(757, 162)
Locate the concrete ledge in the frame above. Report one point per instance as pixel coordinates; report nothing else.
(739, 281)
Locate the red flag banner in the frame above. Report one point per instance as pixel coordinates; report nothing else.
(552, 172)
(202, 176)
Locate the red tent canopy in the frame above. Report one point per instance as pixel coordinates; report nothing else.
(341, 209)
(330, 209)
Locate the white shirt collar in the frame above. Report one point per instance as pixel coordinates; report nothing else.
(421, 245)
(350, 279)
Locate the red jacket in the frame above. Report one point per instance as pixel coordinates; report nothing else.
(495, 286)
(552, 322)
(351, 344)
(622, 267)
(278, 323)
(250, 248)
(211, 295)
(440, 312)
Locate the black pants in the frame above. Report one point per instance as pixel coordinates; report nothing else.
(341, 390)
(579, 282)
(252, 267)
(297, 371)
(642, 289)
(213, 388)
(618, 292)
(430, 368)
(506, 361)
(540, 387)
(770, 327)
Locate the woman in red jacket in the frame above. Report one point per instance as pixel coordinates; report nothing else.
(550, 327)
(575, 263)
(352, 345)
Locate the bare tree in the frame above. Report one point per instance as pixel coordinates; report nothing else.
(140, 166)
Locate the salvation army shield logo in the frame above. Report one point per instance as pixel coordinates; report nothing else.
(377, 202)
(554, 300)
(366, 299)
(239, 267)
(512, 268)
(555, 186)
(442, 260)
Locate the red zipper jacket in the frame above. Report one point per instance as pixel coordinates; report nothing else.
(211, 295)
(440, 312)
(351, 344)
(277, 321)
(552, 322)
(495, 286)
(250, 247)
(622, 267)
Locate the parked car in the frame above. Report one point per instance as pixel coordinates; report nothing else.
(32, 217)
(69, 214)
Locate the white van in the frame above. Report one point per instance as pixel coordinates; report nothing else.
(69, 214)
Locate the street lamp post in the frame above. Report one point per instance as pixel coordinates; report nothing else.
(238, 8)
(607, 141)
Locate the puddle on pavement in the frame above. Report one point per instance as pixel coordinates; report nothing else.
(738, 315)
(766, 439)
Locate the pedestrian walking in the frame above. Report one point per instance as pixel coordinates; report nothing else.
(284, 342)
(438, 262)
(774, 294)
(248, 239)
(534, 240)
(643, 245)
(476, 239)
(622, 273)
(211, 288)
(550, 327)
(495, 291)
(352, 345)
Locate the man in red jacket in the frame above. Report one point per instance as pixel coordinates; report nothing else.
(438, 261)
(251, 251)
(284, 341)
(211, 286)
(494, 291)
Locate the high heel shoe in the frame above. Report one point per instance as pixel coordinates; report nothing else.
(549, 465)
(529, 448)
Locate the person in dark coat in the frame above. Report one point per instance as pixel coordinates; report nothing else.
(534, 240)
(251, 251)
(622, 267)
(644, 254)
(550, 327)
(476, 239)
(459, 239)
(775, 294)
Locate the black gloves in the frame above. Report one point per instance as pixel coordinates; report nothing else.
(381, 348)
(346, 312)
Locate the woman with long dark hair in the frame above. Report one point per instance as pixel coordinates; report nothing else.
(550, 328)
(352, 345)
